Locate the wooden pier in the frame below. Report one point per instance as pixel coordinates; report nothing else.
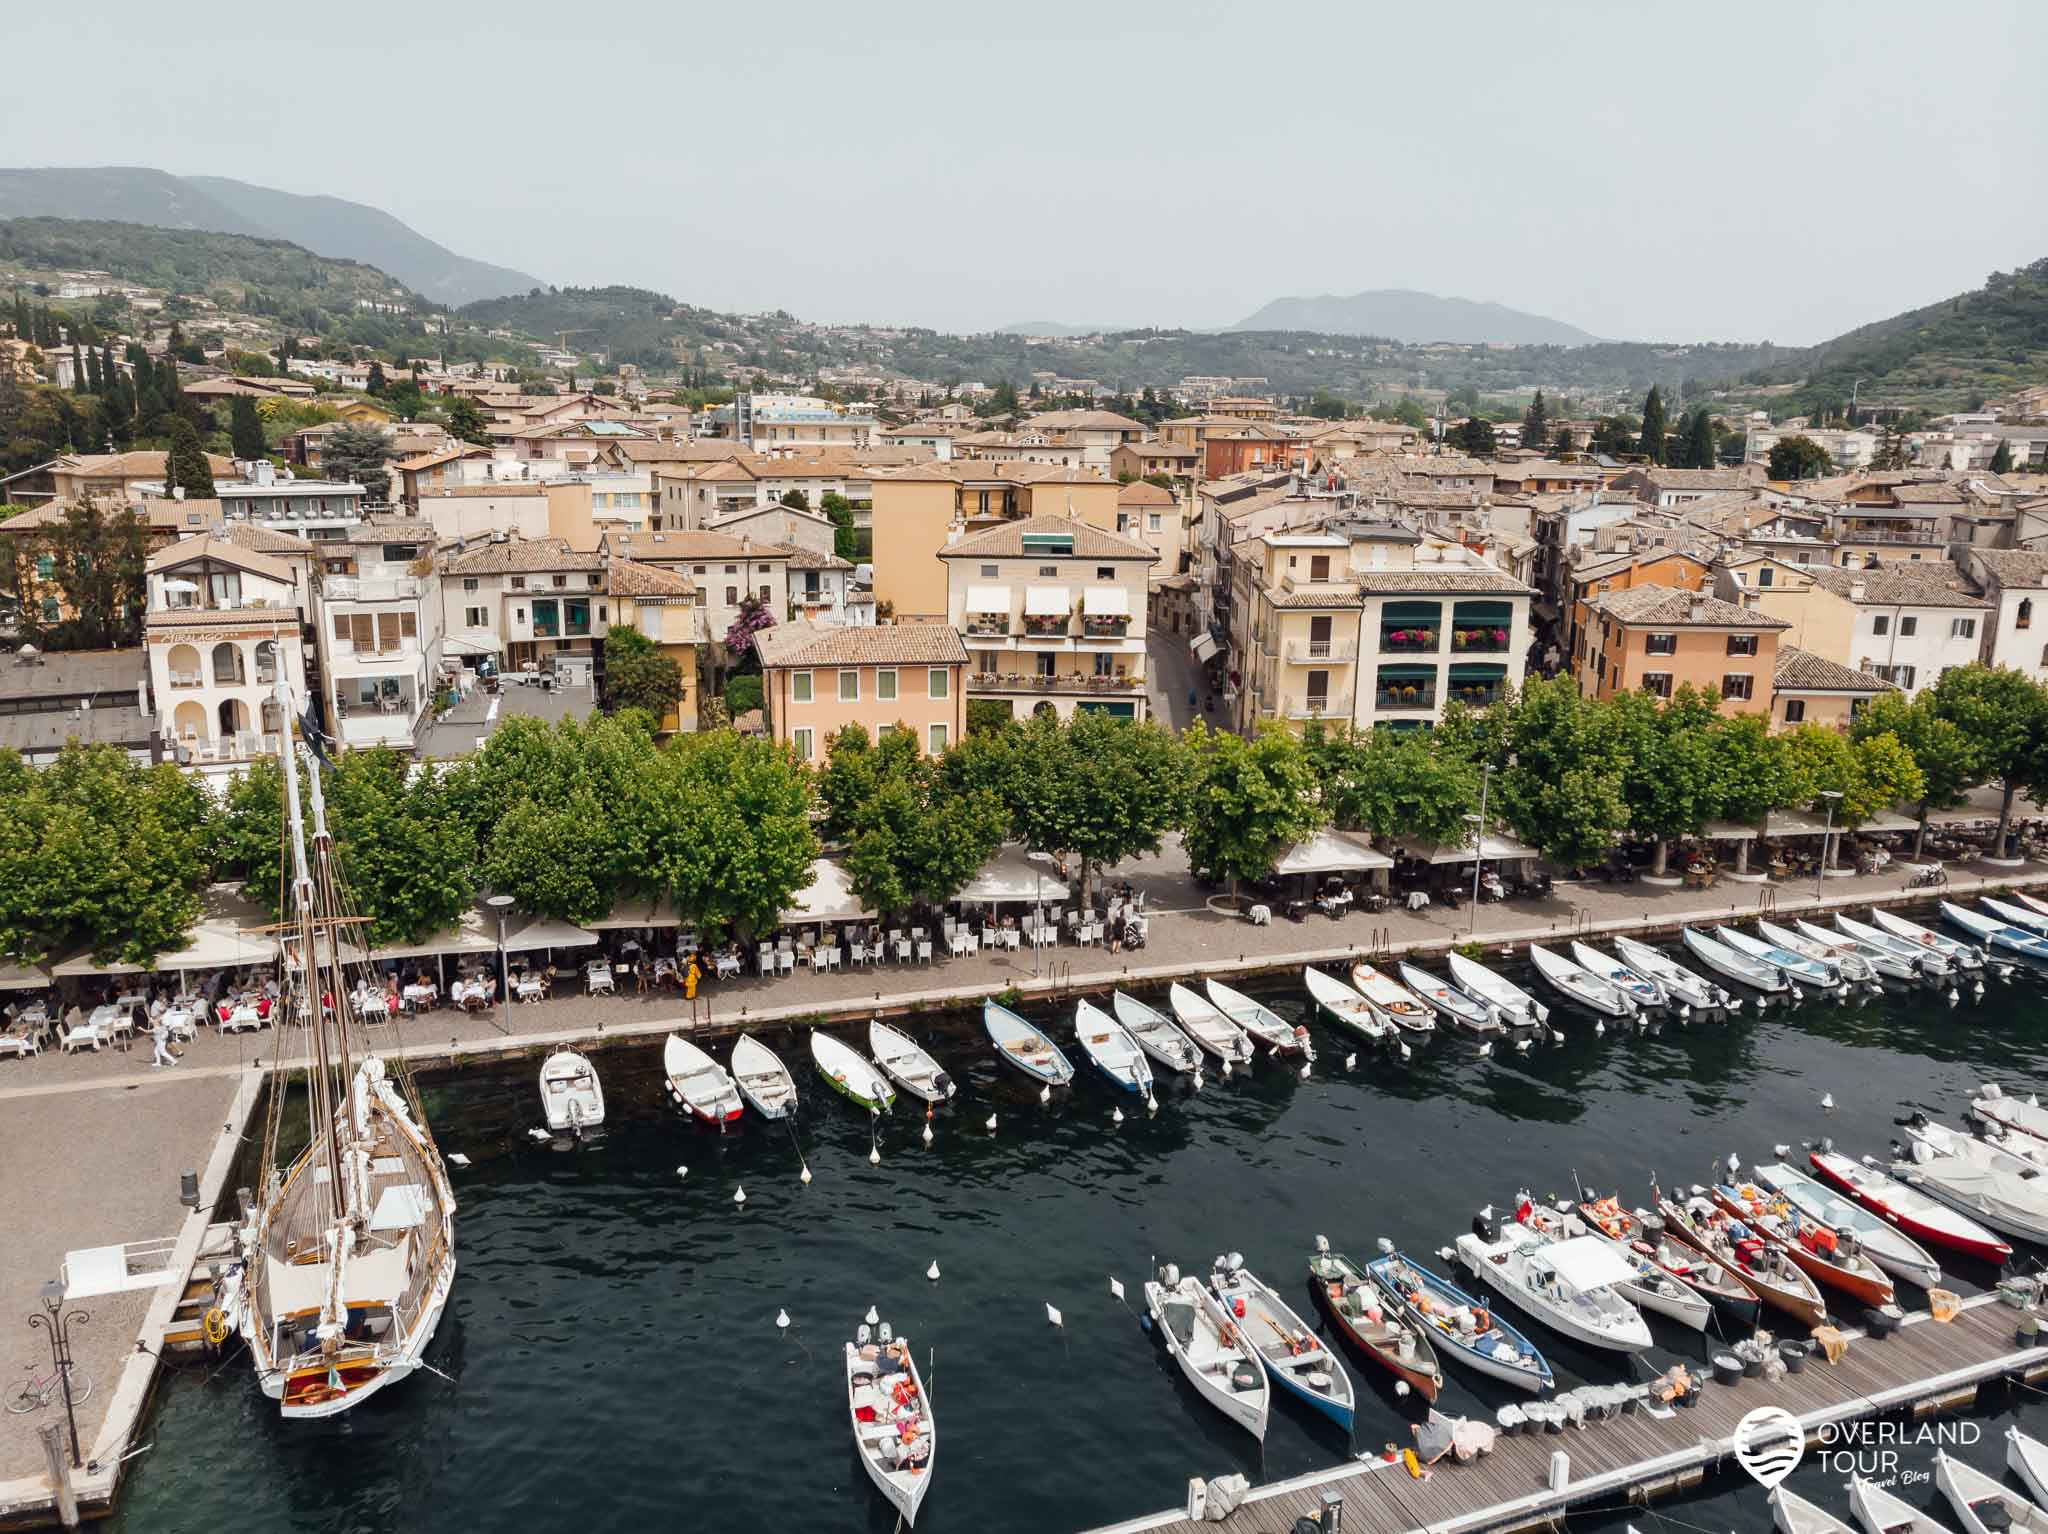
(1627, 1461)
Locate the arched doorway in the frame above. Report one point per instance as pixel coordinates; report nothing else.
(189, 720)
(266, 663)
(227, 666)
(234, 717)
(183, 664)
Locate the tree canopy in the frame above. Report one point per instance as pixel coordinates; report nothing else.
(1248, 800)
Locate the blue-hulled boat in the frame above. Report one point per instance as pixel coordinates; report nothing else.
(1459, 1327)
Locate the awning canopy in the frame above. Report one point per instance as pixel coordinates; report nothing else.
(1204, 646)
(1494, 848)
(1731, 831)
(1106, 602)
(828, 897)
(1585, 1262)
(21, 977)
(1015, 874)
(988, 599)
(1331, 852)
(81, 963)
(220, 945)
(546, 932)
(462, 644)
(473, 934)
(638, 912)
(1047, 602)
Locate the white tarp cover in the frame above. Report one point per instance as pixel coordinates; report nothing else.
(638, 912)
(1106, 602)
(988, 599)
(1014, 874)
(1587, 1262)
(220, 945)
(1331, 852)
(828, 897)
(546, 932)
(21, 977)
(473, 934)
(1047, 602)
(1495, 849)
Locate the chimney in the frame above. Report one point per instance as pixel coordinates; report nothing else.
(1858, 589)
(1692, 604)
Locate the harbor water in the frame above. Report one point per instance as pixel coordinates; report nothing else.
(611, 1355)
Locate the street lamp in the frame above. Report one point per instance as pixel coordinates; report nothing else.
(1479, 845)
(57, 1321)
(1827, 839)
(501, 904)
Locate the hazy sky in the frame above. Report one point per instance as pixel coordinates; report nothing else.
(1779, 170)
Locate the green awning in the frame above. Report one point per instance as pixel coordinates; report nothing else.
(1407, 673)
(1411, 612)
(1484, 612)
(1474, 672)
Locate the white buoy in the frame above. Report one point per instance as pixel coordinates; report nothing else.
(1116, 1287)
(932, 1272)
(1151, 1103)
(1052, 1314)
(1485, 1049)
(1599, 1028)
(739, 1195)
(1226, 1070)
(806, 1176)
(927, 1132)
(1400, 1387)
(1198, 1078)
(539, 1134)
(1522, 1046)
(991, 1123)
(872, 1316)
(1685, 1009)
(874, 1155)
(1978, 988)
(1827, 1102)
(456, 1158)
(1305, 1068)
(682, 1171)
(1116, 1115)
(1406, 1052)
(1045, 1095)
(1954, 995)
(782, 1320)
(1351, 1062)
(1557, 1035)
(1797, 994)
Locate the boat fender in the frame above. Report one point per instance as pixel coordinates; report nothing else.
(214, 1325)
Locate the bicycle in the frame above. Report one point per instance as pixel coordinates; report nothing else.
(1927, 877)
(41, 1389)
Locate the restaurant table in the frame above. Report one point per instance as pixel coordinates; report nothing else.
(422, 994)
(242, 1019)
(532, 988)
(728, 965)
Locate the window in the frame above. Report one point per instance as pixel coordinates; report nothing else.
(1903, 675)
(1881, 624)
(1795, 710)
(559, 580)
(1962, 628)
(1154, 522)
(939, 682)
(46, 567)
(1105, 665)
(1742, 644)
(470, 583)
(1660, 644)
(938, 740)
(732, 569)
(701, 569)
(2024, 617)
(1739, 685)
(1052, 570)
(1908, 627)
(765, 596)
(732, 596)
(518, 583)
(1764, 576)
(1658, 683)
(849, 684)
(1105, 572)
(885, 685)
(802, 739)
(476, 617)
(988, 572)
(800, 687)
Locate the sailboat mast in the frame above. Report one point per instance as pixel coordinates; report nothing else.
(330, 909)
(319, 1082)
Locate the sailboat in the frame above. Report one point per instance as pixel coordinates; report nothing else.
(347, 1254)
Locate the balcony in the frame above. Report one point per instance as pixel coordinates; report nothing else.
(1406, 699)
(987, 626)
(1319, 705)
(1065, 681)
(187, 679)
(1411, 640)
(1105, 628)
(1316, 652)
(1486, 639)
(1048, 627)
(352, 588)
(241, 746)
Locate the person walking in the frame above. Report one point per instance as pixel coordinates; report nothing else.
(160, 1040)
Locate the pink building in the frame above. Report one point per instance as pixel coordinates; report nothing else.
(818, 678)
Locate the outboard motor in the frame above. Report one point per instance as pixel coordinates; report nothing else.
(943, 1083)
(1486, 1224)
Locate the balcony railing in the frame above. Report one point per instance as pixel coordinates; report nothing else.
(1883, 533)
(1065, 681)
(1318, 705)
(1474, 694)
(1483, 640)
(1411, 640)
(353, 588)
(1105, 628)
(1302, 652)
(1396, 699)
(1048, 627)
(187, 679)
(987, 627)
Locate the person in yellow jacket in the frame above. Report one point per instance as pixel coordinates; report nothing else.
(690, 978)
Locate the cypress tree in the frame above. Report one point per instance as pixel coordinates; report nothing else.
(245, 428)
(2001, 460)
(93, 384)
(1536, 424)
(185, 466)
(377, 383)
(1699, 445)
(1654, 426)
(78, 379)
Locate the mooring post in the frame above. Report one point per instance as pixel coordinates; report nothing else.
(59, 1464)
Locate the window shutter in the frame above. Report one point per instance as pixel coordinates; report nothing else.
(408, 625)
(365, 629)
(341, 625)
(387, 631)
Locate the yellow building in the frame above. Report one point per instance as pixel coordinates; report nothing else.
(922, 509)
(663, 605)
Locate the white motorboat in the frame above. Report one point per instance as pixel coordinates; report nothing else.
(1822, 974)
(1459, 1008)
(1567, 1285)
(1911, 1209)
(907, 1064)
(1293, 1356)
(1112, 1051)
(1680, 983)
(2031, 920)
(1025, 1047)
(1965, 955)
(763, 1079)
(1210, 1349)
(1891, 1249)
(1408, 1013)
(1982, 1504)
(1880, 1512)
(2032, 902)
(570, 1094)
(1921, 961)
(1995, 933)
(1651, 1289)
(1208, 1027)
(1643, 989)
(699, 1083)
(1739, 967)
(1518, 1008)
(1791, 1514)
(1578, 984)
(1342, 1005)
(1260, 1021)
(1812, 942)
(2027, 1458)
(1997, 1151)
(2012, 1204)
(1156, 1034)
(1992, 1106)
(894, 1431)
(850, 1073)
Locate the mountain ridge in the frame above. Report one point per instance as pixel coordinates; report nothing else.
(1414, 317)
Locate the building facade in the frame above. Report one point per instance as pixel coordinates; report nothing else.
(818, 680)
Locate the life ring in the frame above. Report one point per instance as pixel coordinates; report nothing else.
(214, 1325)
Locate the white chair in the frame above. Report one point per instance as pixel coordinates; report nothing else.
(19, 1044)
(785, 961)
(1010, 939)
(832, 958)
(860, 954)
(767, 960)
(924, 950)
(902, 949)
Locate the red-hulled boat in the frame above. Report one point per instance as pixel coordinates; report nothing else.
(1914, 1212)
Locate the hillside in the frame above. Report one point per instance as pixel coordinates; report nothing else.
(1944, 356)
(327, 225)
(1052, 328)
(1400, 314)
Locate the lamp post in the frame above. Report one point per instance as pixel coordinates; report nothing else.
(57, 1321)
(501, 904)
(1827, 839)
(1479, 845)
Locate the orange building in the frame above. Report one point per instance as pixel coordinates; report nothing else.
(1658, 639)
(817, 679)
(1253, 445)
(1603, 573)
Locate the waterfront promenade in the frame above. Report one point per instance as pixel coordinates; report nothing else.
(97, 1141)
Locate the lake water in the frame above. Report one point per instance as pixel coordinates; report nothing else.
(611, 1347)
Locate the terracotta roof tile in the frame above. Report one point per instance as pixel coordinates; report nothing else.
(1802, 671)
(1007, 541)
(1671, 607)
(811, 644)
